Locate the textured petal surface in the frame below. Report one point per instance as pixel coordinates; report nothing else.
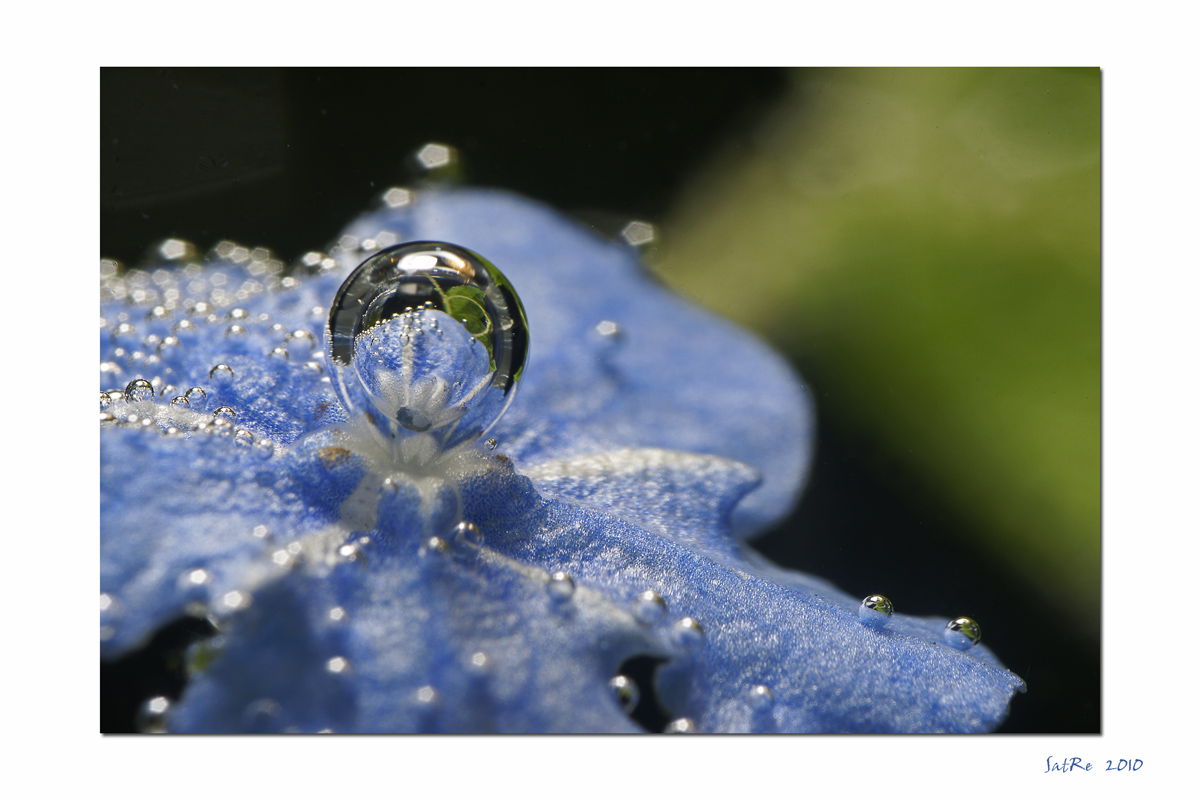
(604, 527)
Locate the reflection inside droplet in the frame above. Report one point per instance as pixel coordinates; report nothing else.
(427, 337)
(962, 633)
(875, 611)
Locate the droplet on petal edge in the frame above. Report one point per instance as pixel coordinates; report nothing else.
(427, 337)
(875, 611)
(962, 633)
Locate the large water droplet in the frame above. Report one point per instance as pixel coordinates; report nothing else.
(427, 337)
(875, 611)
(962, 633)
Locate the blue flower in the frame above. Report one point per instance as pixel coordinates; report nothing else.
(364, 584)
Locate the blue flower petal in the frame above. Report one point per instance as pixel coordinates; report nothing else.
(632, 459)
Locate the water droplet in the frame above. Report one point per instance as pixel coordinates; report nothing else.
(427, 336)
(105, 400)
(688, 633)
(180, 401)
(437, 161)
(299, 343)
(560, 586)
(396, 197)
(139, 391)
(224, 413)
(468, 534)
(264, 449)
(761, 698)
(243, 437)
(962, 633)
(238, 314)
(639, 234)
(609, 329)
(185, 327)
(123, 332)
(235, 330)
(280, 353)
(152, 715)
(196, 398)
(434, 545)
(221, 374)
(491, 444)
(427, 696)
(682, 725)
(626, 693)
(875, 611)
(649, 607)
(235, 600)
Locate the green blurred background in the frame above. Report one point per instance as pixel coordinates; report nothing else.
(923, 244)
(926, 244)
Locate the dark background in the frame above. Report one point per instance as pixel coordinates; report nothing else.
(284, 158)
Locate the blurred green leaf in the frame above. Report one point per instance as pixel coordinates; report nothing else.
(927, 243)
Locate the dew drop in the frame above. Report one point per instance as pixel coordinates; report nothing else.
(468, 534)
(264, 449)
(235, 330)
(962, 633)
(608, 329)
(299, 343)
(105, 400)
(491, 444)
(152, 715)
(682, 725)
(224, 413)
(561, 586)
(243, 437)
(235, 600)
(427, 337)
(688, 633)
(626, 693)
(221, 374)
(427, 696)
(180, 401)
(649, 607)
(196, 397)
(761, 698)
(434, 545)
(875, 611)
(139, 391)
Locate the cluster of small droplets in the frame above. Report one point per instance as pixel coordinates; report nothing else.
(153, 314)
